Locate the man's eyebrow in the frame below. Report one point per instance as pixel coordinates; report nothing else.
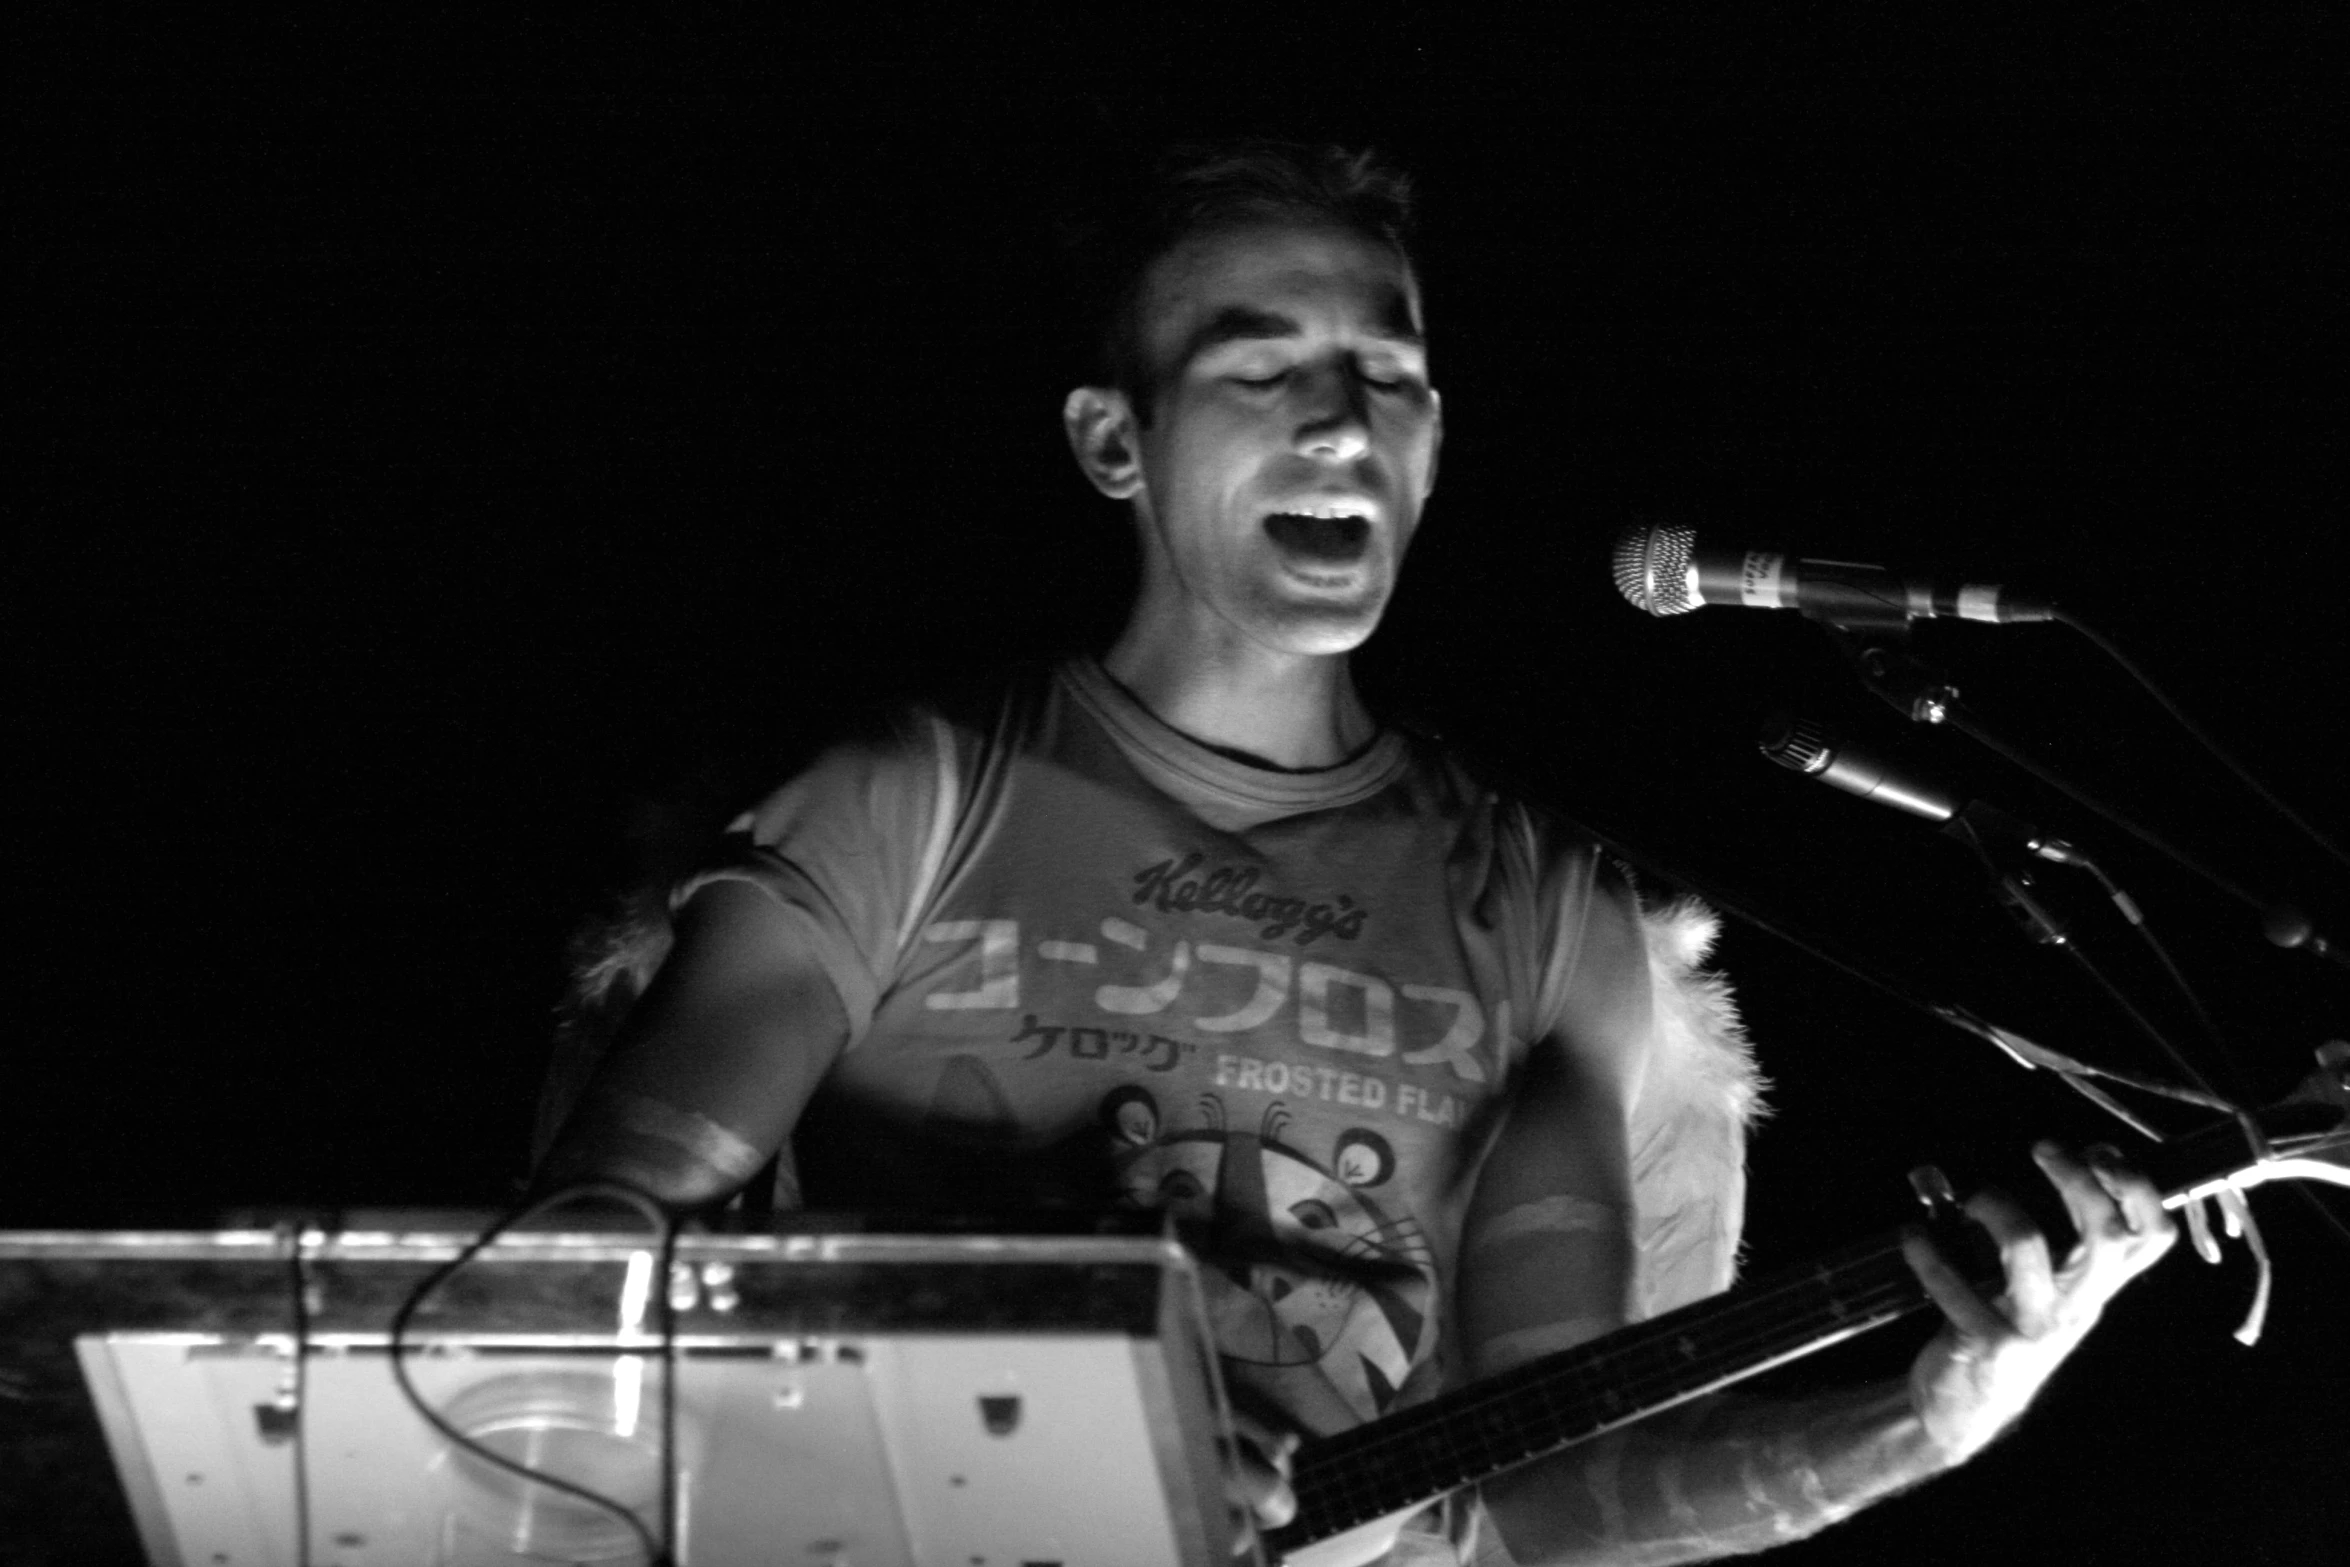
(1246, 323)
(1395, 323)
(1239, 324)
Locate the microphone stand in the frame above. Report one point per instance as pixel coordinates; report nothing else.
(1877, 647)
(1873, 636)
(1992, 833)
(2007, 852)
(2003, 846)
(1875, 639)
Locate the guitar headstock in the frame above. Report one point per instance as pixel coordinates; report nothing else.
(2330, 1083)
(2304, 1136)
(2308, 1131)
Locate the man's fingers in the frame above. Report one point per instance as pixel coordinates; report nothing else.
(1260, 1493)
(2023, 1254)
(1979, 1374)
(1275, 1442)
(1258, 1476)
(2088, 1201)
(1974, 1316)
(2109, 1201)
(2133, 1231)
(2135, 1198)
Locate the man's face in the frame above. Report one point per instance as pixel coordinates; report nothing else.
(1293, 434)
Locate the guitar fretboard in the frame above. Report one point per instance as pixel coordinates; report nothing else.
(1482, 1430)
(1417, 1455)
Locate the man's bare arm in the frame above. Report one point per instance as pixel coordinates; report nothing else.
(715, 1063)
(1545, 1262)
(1731, 1473)
(1546, 1249)
(1718, 1477)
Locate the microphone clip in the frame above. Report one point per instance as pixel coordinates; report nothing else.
(2006, 847)
(1880, 653)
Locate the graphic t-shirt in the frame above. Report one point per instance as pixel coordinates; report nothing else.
(1087, 960)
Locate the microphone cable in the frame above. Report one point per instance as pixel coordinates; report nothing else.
(659, 1551)
(2073, 1074)
(2201, 736)
(300, 1393)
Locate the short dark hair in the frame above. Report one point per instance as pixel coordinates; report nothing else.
(1203, 189)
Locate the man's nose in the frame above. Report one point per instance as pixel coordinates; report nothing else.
(1337, 423)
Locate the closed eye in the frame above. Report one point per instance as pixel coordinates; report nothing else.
(1381, 379)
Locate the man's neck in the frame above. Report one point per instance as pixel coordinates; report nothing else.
(1287, 709)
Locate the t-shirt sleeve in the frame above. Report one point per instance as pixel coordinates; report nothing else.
(1566, 874)
(1699, 1089)
(849, 849)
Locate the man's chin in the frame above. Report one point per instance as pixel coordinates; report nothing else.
(1323, 629)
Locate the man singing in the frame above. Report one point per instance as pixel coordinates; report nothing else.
(1186, 928)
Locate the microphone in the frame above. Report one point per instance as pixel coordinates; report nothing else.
(1816, 751)
(1819, 752)
(1665, 571)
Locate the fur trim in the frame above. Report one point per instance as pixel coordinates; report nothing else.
(615, 951)
(613, 958)
(1699, 1092)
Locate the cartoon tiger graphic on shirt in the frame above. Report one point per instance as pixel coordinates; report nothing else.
(1308, 1268)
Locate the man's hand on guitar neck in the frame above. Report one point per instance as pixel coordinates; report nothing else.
(1994, 1354)
(1256, 1478)
(1733, 1472)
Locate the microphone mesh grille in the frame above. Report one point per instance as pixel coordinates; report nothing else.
(1796, 743)
(1652, 568)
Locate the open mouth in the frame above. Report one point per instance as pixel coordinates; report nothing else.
(1337, 540)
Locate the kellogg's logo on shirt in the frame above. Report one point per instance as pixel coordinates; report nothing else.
(1229, 890)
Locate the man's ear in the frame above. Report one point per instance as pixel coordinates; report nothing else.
(1101, 428)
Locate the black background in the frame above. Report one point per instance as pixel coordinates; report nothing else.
(435, 441)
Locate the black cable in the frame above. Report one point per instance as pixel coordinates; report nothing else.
(1955, 1017)
(2216, 1100)
(2145, 1024)
(2201, 735)
(2110, 1105)
(1811, 947)
(656, 1553)
(2010, 890)
(2049, 1060)
(2162, 954)
(2136, 919)
(301, 1397)
(668, 1266)
(1964, 722)
(1740, 910)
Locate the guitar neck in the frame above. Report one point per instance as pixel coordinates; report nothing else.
(1479, 1431)
(1482, 1430)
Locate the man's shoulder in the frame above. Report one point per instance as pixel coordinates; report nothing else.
(907, 726)
(982, 700)
(1486, 774)
(902, 737)
(1538, 834)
